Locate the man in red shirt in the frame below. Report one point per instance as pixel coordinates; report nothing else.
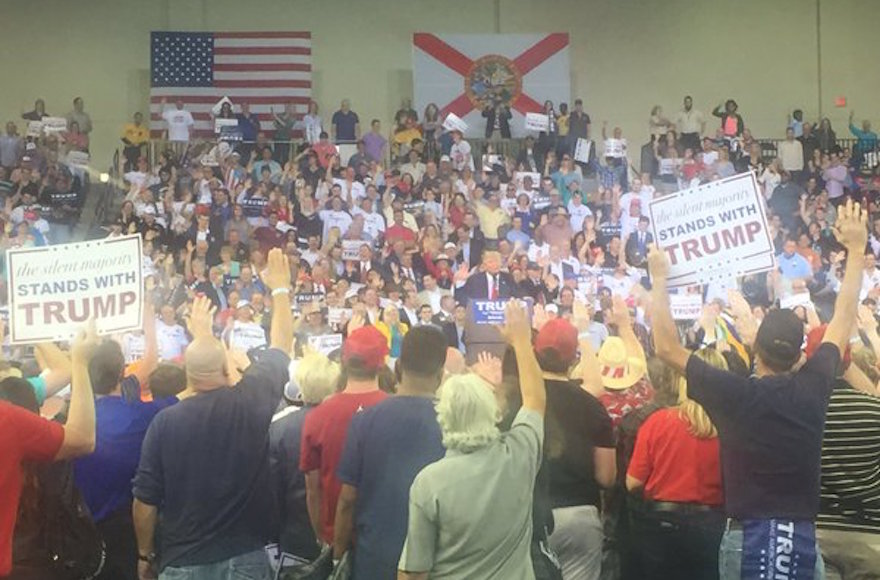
(398, 231)
(270, 236)
(28, 437)
(325, 150)
(325, 428)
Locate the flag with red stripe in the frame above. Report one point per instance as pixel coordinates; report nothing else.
(267, 70)
(464, 73)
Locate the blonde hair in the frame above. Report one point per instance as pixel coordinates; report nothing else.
(317, 376)
(468, 413)
(691, 412)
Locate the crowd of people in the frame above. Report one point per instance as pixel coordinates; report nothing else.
(311, 391)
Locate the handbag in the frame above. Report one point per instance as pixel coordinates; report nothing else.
(318, 569)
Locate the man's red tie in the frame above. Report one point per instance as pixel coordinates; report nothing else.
(495, 295)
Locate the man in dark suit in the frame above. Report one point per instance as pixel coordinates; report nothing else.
(454, 329)
(532, 285)
(487, 283)
(364, 264)
(637, 243)
(471, 243)
(527, 157)
(502, 115)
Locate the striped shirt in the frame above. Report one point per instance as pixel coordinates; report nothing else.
(851, 462)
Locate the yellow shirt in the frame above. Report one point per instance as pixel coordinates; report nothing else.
(562, 125)
(491, 220)
(136, 134)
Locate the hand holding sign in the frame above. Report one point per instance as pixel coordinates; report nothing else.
(86, 343)
(851, 229)
(658, 265)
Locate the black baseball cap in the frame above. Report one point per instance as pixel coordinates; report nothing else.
(780, 337)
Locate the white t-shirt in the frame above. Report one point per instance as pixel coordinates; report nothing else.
(578, 214)
(460, 153)
(332, 218)
(179, 121)
(374, 223)
(172, 340)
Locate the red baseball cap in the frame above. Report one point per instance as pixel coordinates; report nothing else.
(366, 344)
(560, 335)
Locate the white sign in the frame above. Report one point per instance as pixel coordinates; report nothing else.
(713, 232)
(54, 290)
(246, 335)
(686, 306)
(794, 300)
(54, 124)
(520, 176)
(78, 158)
(615, 148)
(351, 249)
(220, 123)
(34, 128)
(582, 150)
(537, 122)
(336, 315)
(454, 123)
(325, 343)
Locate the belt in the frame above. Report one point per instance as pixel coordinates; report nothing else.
(680, 507)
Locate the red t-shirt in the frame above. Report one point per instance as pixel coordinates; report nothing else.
(323, 440)
(673, 464)
(25, 437)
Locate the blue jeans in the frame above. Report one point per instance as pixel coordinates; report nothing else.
(250, 566)
(731, 552)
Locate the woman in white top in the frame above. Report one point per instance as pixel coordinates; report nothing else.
(770, 178)
(658, 125)
(311, 124)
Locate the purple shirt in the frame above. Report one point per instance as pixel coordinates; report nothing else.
(374, 146)
(834, 179)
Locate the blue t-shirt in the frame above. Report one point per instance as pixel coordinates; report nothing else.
(794, 266)
(345, 124)
(104, 477)
(387, 446)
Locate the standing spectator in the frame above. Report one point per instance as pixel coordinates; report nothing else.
(834, 173)
(284, 123)
(170, 336)
(867, 139)
(731, 122)
(28, 437)
(204, 465)
(770, 425)
(386, 447)
(345, 124)
(325, 429)
(180, 122)
(316, 377)
(121, 422)
(827, 137)
(796, 123)
(444, 540)
(578, 124)
(691, 124)
(374, 142)
(497, 119)
(791, 155)
(11, 147)
(311, 124)
(249, 126)
(810, 143)
(134, 136)
(676, 464)
(38, 113)
(460, 153)
(79, 116)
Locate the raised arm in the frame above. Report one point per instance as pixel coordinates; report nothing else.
(666, 341)
(620, 317)
(56, 366)
(151, 346)
(277, 277)
(518, 334)
(79, 431)
(852, 232)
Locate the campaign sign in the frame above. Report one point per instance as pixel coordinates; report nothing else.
(455, 123)
(714, 231)
(54, 125)
(351, 249)
(537, 122)
(54, 290)
(492, 311)
(686, 306)
(582, 150)
(325, 343)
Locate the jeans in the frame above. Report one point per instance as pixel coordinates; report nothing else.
(577, 541)
(731, 553)
(850, 555)
(673, 546)
(249, 566)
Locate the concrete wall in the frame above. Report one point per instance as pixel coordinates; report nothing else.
(627, 55)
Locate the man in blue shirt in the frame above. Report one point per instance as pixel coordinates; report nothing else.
(792, 265)
(387, 446)
(346, 125)
(121, 422)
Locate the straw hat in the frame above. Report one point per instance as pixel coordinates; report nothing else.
(619, 370)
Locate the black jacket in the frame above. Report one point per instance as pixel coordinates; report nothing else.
(503, 122)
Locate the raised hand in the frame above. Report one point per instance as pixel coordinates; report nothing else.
(516, 328)
(851, 229)
(201, 318)
(620, 313)
(488, 367)
(461, 275)
(658, 264)
(86, 343)
(277, 272)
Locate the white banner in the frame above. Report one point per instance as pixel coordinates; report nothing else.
(54, 290)
(615, 148)
(221, 122)
(519, 176)
(34, 128)
(713, 232)
(325, 343)
(351, 249)
(336, 315)
(582, 150)
(686, 306)
(54, 124)
(455, 123)
(246, 335)
(537, 122)
(78, 158)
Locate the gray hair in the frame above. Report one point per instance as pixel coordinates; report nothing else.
(316, 376)
(468, 413)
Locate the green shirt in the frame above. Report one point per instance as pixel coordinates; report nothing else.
(470, 514)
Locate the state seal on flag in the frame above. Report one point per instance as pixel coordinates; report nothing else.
(492, 80)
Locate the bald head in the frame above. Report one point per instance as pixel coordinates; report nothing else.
(206, 368)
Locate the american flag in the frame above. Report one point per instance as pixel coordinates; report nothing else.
(265, 69)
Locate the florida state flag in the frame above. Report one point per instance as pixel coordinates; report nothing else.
(465, 73)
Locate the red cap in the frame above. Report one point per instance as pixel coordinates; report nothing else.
(814, 340)
(558, 334)
(367, 344)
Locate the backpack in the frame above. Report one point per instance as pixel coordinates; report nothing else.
(74, 545)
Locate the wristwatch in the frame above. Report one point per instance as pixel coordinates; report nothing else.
(149, 558)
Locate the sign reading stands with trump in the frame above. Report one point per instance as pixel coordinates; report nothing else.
(54, 290)
(713, 232)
